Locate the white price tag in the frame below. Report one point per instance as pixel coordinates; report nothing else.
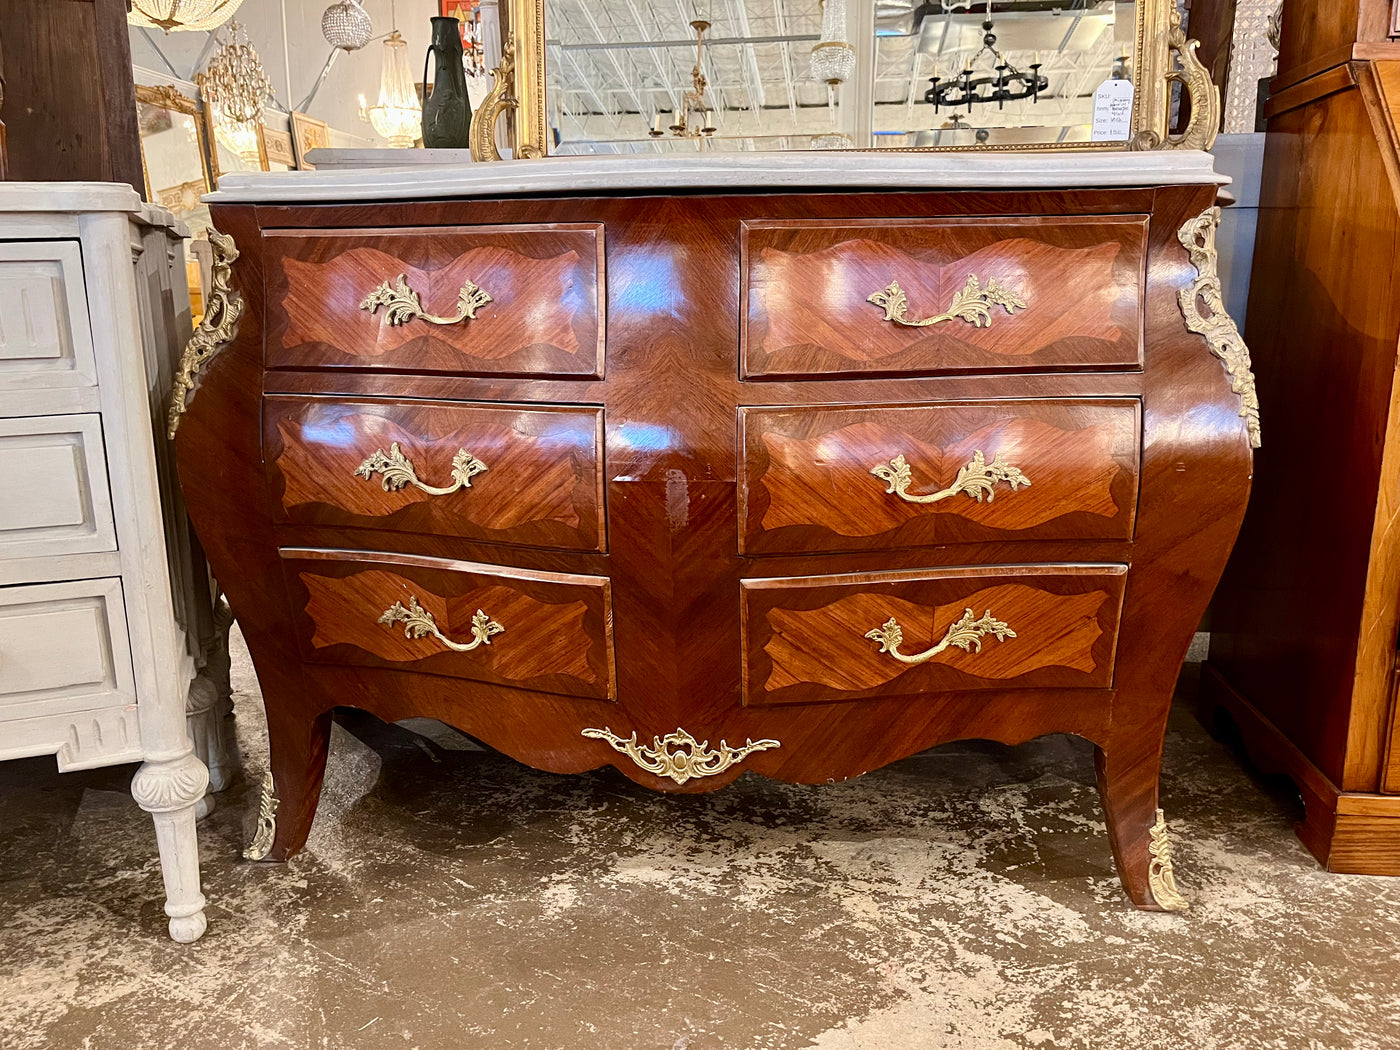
(1113, 111)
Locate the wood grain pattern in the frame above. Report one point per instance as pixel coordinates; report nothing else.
(805, 639)
(557, 635)
(806, 481)
(808, 313)
(546, 284)
(671, 397)
(1315, 29)
(543, 485)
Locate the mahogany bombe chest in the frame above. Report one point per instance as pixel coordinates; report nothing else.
(698, 468)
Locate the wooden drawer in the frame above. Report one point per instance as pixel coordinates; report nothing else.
(45, 338)
(63, 648)
(57, 499)
(819, 638)
(335, 299)
(831, 477)
(545, 631)
(518, 474)
(1004, 295)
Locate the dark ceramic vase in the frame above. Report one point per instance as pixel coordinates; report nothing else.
(447, 112)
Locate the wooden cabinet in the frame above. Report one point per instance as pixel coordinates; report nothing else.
(771, 529)
(1304, 634)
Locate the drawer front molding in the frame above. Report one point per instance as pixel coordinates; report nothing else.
(666, 759)
(57, 469)
(808, 639)
(973, 304)
(45, 334)
(216, 328)
(530, 300)
(811, 475)
(546, 631)
(523, 475)
(1197, 236)
(1067, 294)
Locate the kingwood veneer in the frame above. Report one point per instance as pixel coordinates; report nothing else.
(679, 482)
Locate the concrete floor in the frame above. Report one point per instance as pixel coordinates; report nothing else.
(450, 898)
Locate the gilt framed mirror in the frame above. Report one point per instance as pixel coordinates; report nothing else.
(619, 76)
(174, 152)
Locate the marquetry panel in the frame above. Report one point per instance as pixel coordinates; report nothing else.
(806, 639)
(545, 315)
(550, 633)
(541, 486)
(807, 288)
(808, 481)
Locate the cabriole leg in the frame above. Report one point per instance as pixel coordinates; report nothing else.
(1137, 830)
(298, 746)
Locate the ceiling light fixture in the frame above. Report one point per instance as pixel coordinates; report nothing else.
(694, 99)
(1008, 84)
(833, 57)
(181, 15)
(399, 115)
(346, 25)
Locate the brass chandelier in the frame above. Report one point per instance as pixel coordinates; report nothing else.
(694, 100)
(181, 15)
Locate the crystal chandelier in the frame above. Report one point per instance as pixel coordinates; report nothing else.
(235, 80)
(346, 25)
(833, 58)
(238, 136)
(176, 15)
(399, 116)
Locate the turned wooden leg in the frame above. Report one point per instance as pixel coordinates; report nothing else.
(169, 789)
(298, 745)
(1141, 850)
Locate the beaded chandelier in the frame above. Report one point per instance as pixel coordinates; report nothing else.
(177, 15)
(833, 58)
(398, 117)
(346, 25)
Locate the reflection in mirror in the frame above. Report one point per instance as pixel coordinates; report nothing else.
(172, 151)
(1009, 72)
(627, 76)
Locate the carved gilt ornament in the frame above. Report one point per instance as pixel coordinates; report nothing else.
(1197, 236)
(398, 471)
(216, 328)
(976, 480)
(679, 755)
(965, 634)
(1161, 879)
(263, 838)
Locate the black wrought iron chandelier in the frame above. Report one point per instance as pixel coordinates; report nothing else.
(1004, 84)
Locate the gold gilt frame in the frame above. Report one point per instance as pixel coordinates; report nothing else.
(166, 96)
(1162, 57)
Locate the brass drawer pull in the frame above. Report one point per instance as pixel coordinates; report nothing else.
(398, 471)
(976, 479)
(973, 304)
(664, 759)
(965, 634)
(401, 303)
(419, 623)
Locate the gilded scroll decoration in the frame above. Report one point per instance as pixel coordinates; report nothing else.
(402, 304)
(697, 759)
(261, 845)
(398, 471)
(216, 328)
(976, 479)
(1204, 123)
(419, 623)
(1197, 236)
(500, 98)
(1161, 879)
(972, 304)
(966, 634)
